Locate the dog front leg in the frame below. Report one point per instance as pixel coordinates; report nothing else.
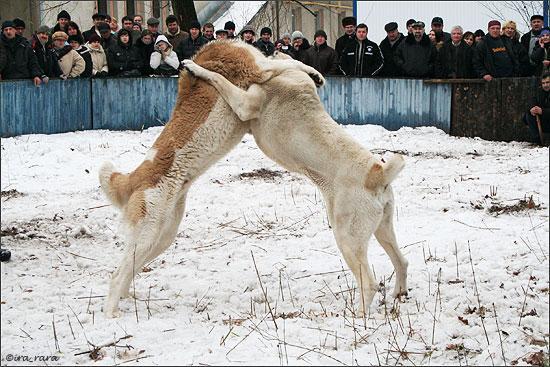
(245, 103)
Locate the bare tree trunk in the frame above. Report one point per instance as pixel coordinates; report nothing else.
(185, 11)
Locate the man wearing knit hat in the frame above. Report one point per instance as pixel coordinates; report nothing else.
(348, 23)
(19, 26)
(361, 57)
(320, 56)
(264, 44)
(230, 28)
(494, 56)
(21, 62)
(299, 46)
(388, 46)
(63, 19)
(189, 46)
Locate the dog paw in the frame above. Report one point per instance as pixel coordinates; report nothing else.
(318, 79)
(398, 293)
(112, 314)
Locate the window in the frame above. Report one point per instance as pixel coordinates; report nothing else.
(319, 21)
(296, 19)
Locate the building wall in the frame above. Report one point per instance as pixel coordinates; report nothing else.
(293, 17)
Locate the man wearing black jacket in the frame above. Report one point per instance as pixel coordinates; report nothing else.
(264, 44)
(320, 56)
(361, 57)
(455, 57)
(416, 56)
(349, 24)
(388, 46)
(494, 56)
(529, 40)
(541, 108)
(96, 18)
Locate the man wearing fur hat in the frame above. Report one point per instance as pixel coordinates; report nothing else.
(21, 62)
(361, 56)
(189, 46)
(321, 56)
(348, 23)
(70, 62)
(494, 56)
(264, 44)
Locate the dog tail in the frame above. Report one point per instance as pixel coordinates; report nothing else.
(115, 185)
(382, 174)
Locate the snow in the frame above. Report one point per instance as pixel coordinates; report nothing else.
(201, 302)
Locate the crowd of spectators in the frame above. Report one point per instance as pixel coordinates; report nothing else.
(139, 49)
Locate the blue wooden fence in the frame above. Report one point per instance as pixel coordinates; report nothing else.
(137, 103)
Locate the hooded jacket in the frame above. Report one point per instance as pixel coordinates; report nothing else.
(166, 62)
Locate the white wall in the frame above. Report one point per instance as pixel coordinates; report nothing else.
(471, 15)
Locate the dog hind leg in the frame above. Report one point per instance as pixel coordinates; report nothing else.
(385, 235)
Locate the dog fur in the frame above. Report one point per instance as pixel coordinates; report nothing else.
(232, 89)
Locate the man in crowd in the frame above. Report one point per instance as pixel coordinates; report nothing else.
(388, 46)
(208, 31)
(416, 56)
(108, 39)
(19, 26)
(299, 46)
(189, 46)
(153, 27)
(221, 34)
(529, 40)
(437, 26)
(128, 24)
(494, 56)
(455, 57)
(230, 28)
(409, 26)
(63, 19)
(264, 44)
(44, 54)
(361, 56)
(321, 56)
(138, 19)
(174, 34)
(540, 108)
(97, 18)
(348, 23)
(21, 62)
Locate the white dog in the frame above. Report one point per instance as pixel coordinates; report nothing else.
(280, 106)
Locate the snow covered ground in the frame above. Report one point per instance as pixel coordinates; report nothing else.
(464, 207)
